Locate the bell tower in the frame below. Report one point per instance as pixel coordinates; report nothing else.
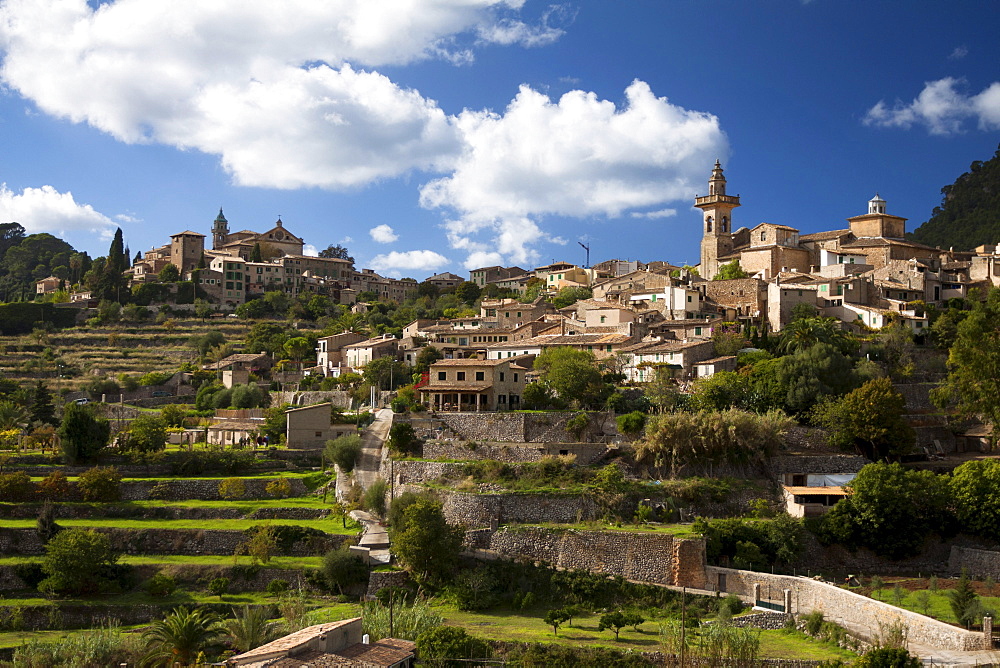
(220, 231)
(717, 222)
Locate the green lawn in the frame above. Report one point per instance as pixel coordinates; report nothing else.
(938, 603)
(289, 563)
(522, 626)
(331, 526)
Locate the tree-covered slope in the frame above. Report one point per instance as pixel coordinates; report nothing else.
(969, 214)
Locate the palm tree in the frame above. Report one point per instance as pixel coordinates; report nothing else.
(252, 628)
(12, 415)
(179, 637)
(806, 332)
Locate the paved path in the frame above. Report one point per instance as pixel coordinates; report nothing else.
(374, 536)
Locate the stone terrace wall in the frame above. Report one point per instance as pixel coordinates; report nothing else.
(128, 511)
(859, 614)
(646, 557)
(818, 464)
(480, 510)
(527, 427)
(201, 489)
(511, 453)
(979, 563)
(166, 541)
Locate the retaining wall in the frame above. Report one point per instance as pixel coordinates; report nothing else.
(479, 510)
(527, 427)
(979, 563)
(645, 557)
(860, 615)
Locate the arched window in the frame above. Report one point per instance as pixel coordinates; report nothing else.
(725, 223)
(763, 236)
(708, 224)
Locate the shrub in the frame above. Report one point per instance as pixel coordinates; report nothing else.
(344, 451)
(155, 378)
(101, 484)
(445, 643)
(218, 587)
(341, 569)
(54, 486)
(161, 584)
(16, 487)
(77, 561)
(403, 439)
(147, 433)
(279, 489)
(277, 587)
(232, 488)
(374, 498)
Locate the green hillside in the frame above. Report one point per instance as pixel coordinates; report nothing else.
(969, 214)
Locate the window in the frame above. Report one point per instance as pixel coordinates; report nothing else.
(480, 375)
(501, 376)
(442, 375)
(689, 299)
(319, 434)
(697, 331)
(518, 314)
(763, 236)
(515, 377)
(459, 375)
(603, 319)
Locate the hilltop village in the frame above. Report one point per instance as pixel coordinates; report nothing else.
(781, 453)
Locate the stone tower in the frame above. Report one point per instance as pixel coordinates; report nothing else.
(717, 222)
(220, 231)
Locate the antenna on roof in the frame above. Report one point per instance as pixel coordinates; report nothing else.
(586, 248)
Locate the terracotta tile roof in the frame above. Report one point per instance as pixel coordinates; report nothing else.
(467, 362)
(292, 640)
(824, 236)
(382, 653)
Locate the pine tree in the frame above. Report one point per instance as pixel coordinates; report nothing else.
(42, 408)
(255, 254)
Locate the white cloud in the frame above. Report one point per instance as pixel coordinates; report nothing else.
(310, 250)
(942, 108)
(959, 53)
(383, 234)
(580, 156)
(277, 91)
(46, 209)
(396, 262)
(661, 213)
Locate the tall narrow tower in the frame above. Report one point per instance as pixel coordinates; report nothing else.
(220, 231)
(717, 222)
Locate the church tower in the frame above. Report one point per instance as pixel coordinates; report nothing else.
(220, 231)
(717, 222)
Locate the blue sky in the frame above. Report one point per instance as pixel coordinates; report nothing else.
(442, 135)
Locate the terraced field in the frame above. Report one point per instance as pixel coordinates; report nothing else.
(69, 357)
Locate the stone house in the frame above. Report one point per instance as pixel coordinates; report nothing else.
(47, 285)
(357, 355)
(236, 369)
(648, 355)
(330, 358)
(495, 274)
(708, 368)
(601, 345)
(310, 427)
(474, 385)
(510, 313)
(445, 280)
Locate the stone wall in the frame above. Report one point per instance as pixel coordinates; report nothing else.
(979, 563)
(481, 510)
(206, 489)
(860, 615)
(586, 453)
(167, 541)
(818, 464)
(379, 580)
(527, 427)
(645, 557)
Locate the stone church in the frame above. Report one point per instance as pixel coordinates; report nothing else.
(241, 243)
(873, 239)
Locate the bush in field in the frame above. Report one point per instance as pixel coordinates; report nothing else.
(218, 587)
(155, 378)
(173, 415)
(54, 487)
(76, 561)
(101, 484)
(232, 488)
(161, 584)
(279, 489)
(16, 487)
(341, 569)
(374, 498)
